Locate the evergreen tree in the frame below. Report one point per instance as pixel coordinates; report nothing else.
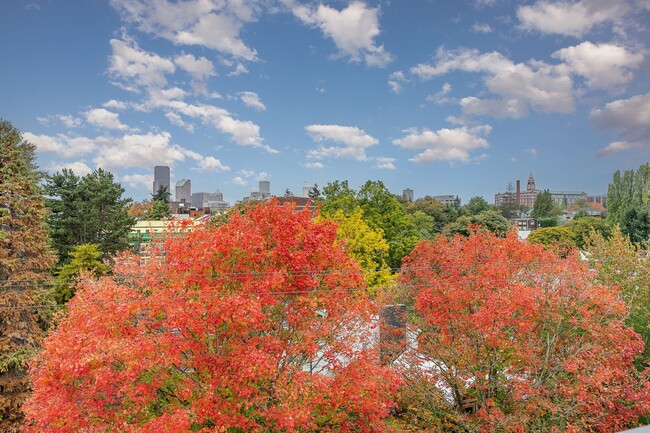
(159, 210)
(544, 205)
(314, 193)
(25, 260)
(161, 195)
(88, 209)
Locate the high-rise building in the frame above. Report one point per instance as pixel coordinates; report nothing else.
(209, 200)
(408, 194)
(265, 186)
(160, 178)
(184, 191)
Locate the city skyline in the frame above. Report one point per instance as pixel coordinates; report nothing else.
(441, 97)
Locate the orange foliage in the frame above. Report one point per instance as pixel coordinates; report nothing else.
(253, 325)
(527, 338)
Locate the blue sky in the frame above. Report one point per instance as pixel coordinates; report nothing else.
(444, 97)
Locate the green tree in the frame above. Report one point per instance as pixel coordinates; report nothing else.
(544, 205)
(159, 210)
(161, 195)
(338, 195)
(623, 264)
(628, 191)
(440, 213)
(475, 206)
(25, 261)
(557, 239)
(364, 244)
(314, 193)
(85, 259)
(490, 220)
(88, 209)
(636, 224)
(382, 210)
(582, 228)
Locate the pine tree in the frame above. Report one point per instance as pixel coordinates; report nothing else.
(24, 259)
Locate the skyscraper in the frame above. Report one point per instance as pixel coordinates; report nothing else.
(184, 191)
(160, 178)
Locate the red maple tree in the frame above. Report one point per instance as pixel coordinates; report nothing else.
(258, 325)
(512, 337)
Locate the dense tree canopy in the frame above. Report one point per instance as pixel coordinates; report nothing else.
(628, 201)
(624, 264)
(88, 209)
(259, 325)
(514, 338)
(381, 210)
(489, 220)
(85, 259)
(25, 260)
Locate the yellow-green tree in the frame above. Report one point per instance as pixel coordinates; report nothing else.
(84, 259)
(624, 264)
(364, 244)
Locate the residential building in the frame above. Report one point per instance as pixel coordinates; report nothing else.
(448, 200)
(160, 178)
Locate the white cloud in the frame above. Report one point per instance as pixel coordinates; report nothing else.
(629, 116)
(212, 24)
(212, 164)
(136, 67)
(237, 180)
(481, 28)
(79, 168)
(199, 69)
(316, 165)
(570, 18)
(246, 173)
(385, 163)
(63, 145)
(177, 120)
(352, 29)
(115, 104)
(244, 133)
(441, 96)
(509, 108)
(444, 144)
(354, 141)
(142, 181)
(396, 81)
(240, 69)
(604, 66)
(535, 85)
(67, 120)
(103, 118)
(252, 99)
(137, 150)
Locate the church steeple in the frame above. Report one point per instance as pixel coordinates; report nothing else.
(531, 183)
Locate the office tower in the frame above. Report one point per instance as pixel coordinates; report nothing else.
(184, 191)
(408, 194)
(160, 178)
